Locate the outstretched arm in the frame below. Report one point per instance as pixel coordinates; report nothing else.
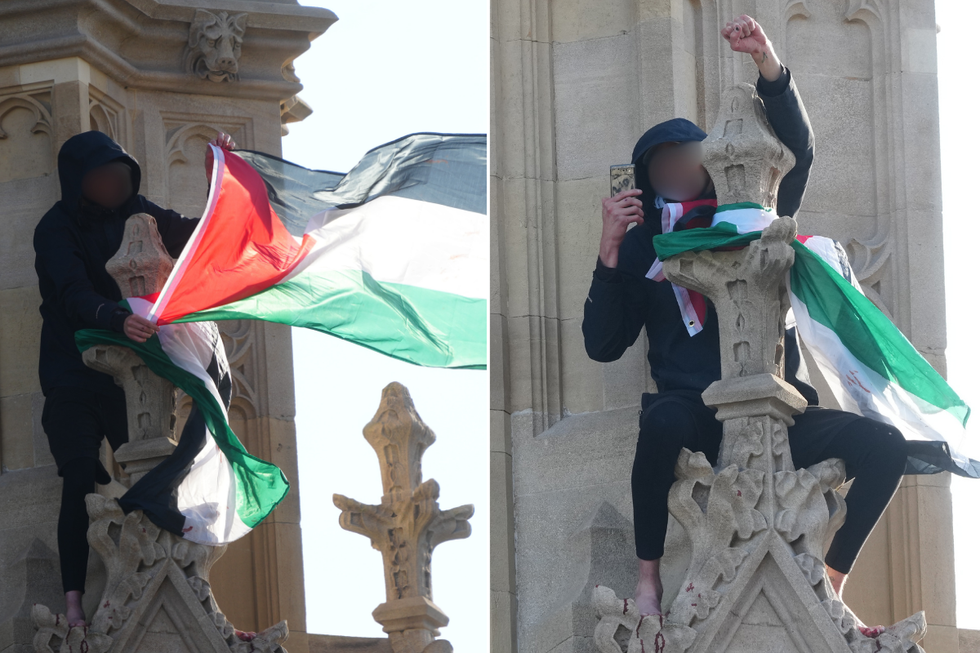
(784, 107)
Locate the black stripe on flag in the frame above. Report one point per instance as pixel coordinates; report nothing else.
(447, 169)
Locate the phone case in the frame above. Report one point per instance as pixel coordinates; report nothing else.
(621, 177)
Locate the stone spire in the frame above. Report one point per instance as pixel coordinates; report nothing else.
(756, 525)
(406, 526)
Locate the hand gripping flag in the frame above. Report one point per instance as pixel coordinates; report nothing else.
(209, 489)
(392, 256)
(872, 369)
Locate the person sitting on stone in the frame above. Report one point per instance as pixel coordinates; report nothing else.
(100, 186)
(622, 301)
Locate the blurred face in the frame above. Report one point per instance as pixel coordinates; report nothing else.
(109, 185)
(675, 170)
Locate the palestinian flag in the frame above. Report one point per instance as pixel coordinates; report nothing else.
(209, 489)
(393, 256)
(872, 369)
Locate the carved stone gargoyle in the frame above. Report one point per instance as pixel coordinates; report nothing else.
(214, 45)
(757, 526)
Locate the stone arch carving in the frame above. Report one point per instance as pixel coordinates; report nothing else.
(187, 183)
(42, 119)
(105, 115)
(859, 90)
(103, 120)
(239, 339)
(25, 128)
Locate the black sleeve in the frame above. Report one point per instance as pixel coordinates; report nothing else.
(614, 314)
(174, 228)
(789, 120)
(59, 258)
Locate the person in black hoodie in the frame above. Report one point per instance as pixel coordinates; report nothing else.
(100, 185)
(622, 300)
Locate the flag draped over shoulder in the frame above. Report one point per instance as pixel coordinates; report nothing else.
(870, 366)
(392, 256)
(210, 489)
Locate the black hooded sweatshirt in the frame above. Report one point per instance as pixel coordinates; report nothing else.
(72, 243)
(622, 300)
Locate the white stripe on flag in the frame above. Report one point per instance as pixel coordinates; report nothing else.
(206, 496)
(859, 389)
(404, 241)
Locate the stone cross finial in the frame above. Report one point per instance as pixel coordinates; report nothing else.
(407, 526)
(140, 267)
(743, 156)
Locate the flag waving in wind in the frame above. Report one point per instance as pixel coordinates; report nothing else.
(392, 256)
(871, 368)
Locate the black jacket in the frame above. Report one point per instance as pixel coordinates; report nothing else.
(72, 243)
(622, 300)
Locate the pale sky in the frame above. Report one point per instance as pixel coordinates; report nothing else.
(386, 69)
(389, 68)
(960, 142)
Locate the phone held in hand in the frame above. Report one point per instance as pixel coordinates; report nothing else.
(621, 177)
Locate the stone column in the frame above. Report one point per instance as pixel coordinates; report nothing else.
(757, 526)
(140, 267)
(406, 526)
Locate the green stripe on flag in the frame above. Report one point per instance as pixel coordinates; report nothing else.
(260, 486)
(416, 325)
(723, 234)
(741, 205)
(833, 302)
(867, 333)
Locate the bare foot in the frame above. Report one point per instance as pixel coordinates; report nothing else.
(871, 631)
(837, 581)
(649, 589)
(647, 599)
(73, 610)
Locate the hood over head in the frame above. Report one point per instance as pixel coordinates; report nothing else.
(676, 130)
(84, 152)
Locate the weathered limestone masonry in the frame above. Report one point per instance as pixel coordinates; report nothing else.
(575, 84)
(754, 580)
(407, 526)
(161, 77)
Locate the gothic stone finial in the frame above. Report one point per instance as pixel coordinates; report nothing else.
(742, 154)
(407, 525)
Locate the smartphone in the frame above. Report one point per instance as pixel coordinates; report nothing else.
(621, 177)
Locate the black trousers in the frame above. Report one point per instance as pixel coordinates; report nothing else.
(75, 421)
(874, 455)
